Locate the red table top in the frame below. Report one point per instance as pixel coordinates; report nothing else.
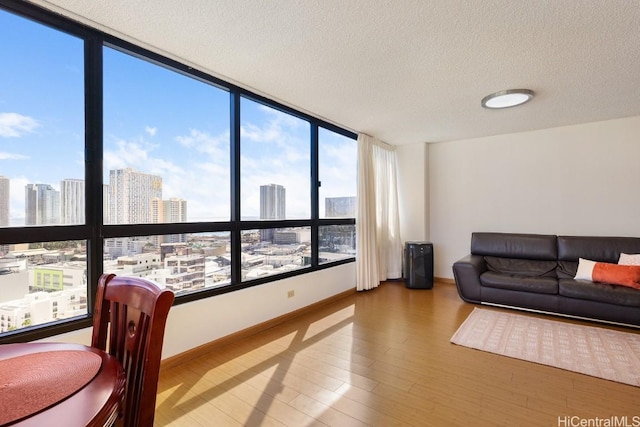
(58, 384)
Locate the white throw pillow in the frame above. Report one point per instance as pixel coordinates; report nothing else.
(629, 259)
(585, 269)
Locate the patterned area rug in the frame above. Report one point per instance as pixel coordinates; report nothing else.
(595, 351)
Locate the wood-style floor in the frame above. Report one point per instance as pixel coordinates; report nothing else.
(381, 358)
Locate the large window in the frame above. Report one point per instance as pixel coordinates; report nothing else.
(42, 174)
(166, 145)
(270, 251)
(116, 159)
(275, 164)
(184, 263)
(41, 125)
(337, 168)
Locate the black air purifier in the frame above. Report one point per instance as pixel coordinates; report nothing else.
(418, 265)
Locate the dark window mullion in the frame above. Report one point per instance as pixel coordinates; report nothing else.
(93, 163)
(236, 249)
(315, 194)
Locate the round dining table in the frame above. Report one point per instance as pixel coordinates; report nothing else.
(59, 384)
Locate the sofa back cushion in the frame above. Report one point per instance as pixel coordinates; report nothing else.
(603, 249)
(522, 267)
(512, 245)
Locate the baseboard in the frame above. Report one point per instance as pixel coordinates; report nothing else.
(209, 347)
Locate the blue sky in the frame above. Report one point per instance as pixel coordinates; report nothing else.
(155, 121)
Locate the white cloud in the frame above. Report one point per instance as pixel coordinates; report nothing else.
(278, 127)
(132, 154)
(205, 182)
(11, 156)
(13, 125)
(138, 154)
(214, 146)
(255, 133)
(151, 131)
(338, 168)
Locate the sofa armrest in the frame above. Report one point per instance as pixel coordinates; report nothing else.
(466, 272)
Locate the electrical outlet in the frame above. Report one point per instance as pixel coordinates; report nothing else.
(291, 293)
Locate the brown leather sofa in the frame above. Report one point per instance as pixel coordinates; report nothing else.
(535, 272)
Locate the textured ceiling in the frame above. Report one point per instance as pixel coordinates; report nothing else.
(404, 71)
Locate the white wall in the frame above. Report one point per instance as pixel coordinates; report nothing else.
(193, 324)
(413, 191)
(573, 180)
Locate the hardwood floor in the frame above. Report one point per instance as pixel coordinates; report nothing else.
(381, 358)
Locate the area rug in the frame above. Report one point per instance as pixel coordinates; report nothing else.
(590, 350)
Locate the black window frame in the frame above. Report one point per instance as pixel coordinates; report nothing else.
(94, 231)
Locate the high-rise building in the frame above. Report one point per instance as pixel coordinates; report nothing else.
(131, 196)
(272, 206)
(168, 211)
(5, 192)
(42, 205)
(157, 210)
(340, 207)
(173, 210)
(272, 201)
(72, 201)
(106, 202)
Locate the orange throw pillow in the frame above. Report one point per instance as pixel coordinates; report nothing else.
(616, 274)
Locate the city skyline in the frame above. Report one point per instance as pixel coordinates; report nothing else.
(156, 121)
(45, 205)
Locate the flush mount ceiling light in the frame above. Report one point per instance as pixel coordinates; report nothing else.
(507, 98)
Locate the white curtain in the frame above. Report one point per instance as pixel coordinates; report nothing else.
(378, 245)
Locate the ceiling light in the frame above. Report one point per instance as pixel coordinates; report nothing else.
(507, 98)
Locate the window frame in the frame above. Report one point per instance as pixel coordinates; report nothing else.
(94, 232)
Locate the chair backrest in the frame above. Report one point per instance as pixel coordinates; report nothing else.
(128, 322)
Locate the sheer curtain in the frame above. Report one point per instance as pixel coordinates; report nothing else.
(378, 245)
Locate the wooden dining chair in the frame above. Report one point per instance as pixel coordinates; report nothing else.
(128, 323)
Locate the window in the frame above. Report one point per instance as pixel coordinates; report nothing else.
(270, 251)
(336, 242)
(43, 172)
(41, 125)
(337, 159)
(275, 164)
(184, 263)
(115, 159)
(337, 156)
(166, 145)
(34, 288)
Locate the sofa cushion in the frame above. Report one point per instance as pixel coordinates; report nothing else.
(567, 269)
(603, 292)
(522, 267)
(629, 259)
(537, 284)
(604, 249)
(604, 272)
(510, 245)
